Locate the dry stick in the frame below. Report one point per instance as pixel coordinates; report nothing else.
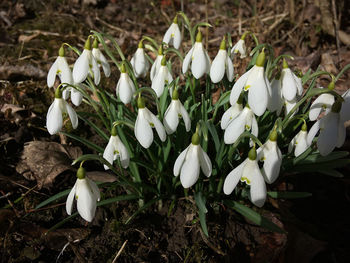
(120, 251)
(206, 28)
(336, 29)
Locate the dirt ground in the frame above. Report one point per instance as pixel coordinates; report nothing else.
(315, 32)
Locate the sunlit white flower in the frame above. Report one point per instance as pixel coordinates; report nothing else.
(100, 58)
(289, 105)
(174, 112)
(198, 58)
(221, 63)
(173, 35)
(75, 95)
(125, 86)
(248, 172)
(87, 194)
(139, 62)
(239, 47)
(191, 161)
(291, 84)
(276, 100)
(157, 63)
(60, 68)
(116, 149)
(244, 121)
(299, 143)
(54, 118)
(231, 114)
(271, 155)
(86, 64)
(162, 78)
(145, 121)
(324, 103)
(256, 83)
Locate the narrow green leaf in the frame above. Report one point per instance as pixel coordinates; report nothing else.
(332, 173)
(94, 126)
(289, 195)
(84, 141)
(117, 199)
(200, 202)
(214, 135)
(141, 209)
(53, 198)
(203, 222)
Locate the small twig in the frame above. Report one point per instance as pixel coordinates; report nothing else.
(336, 29)
(120, 251)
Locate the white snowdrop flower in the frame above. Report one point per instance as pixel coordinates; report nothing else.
(289, 105)
(191, 161)
(198, 58)
(248, 172)
(157, 63)
(125, 86)
(139, 62)
(299, 143)
(116, 149)
(240, 47)
(276, 100)
(256, 83)
(324, 102)
(86, 65)
(271, 155)
(291, 85)
(100, 58)
(332, 130)
(60, 68)
(162, 78)
(87, 194)
(221, 63)
(145, 121)
(244, 121)
(173, 35)
(174, 112)
(75, 95)
(54, 118)
(231, 113)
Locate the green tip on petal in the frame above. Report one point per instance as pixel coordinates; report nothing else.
(195, 139)
(87, 44)
(199, 36)
(81, 173)
(160, 50)
(58, 93)
(114, 131)
(336, 107)
(175, 20)
(273, 136)
(175, 95)
(252, 154)
(122, 68)
(140, 44)
(95, 43)
(304, 127)
(285, 64)
(140, 102)
(61, 52)
(260, 61)
(163, 62)
(331, 85)
(223, 44)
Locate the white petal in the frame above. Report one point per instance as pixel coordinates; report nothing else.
(292, 143)
(76, 97)
(171, 118)
(321, 103)
(108, 153)
(230, 115)
(159, 81)
(65, 93)
(199, 61)
(257, 188)
(204, 162)
(289, 88)
(341, 134)
(54, 119)
(65, 72)
(301, 143)
(86, 202)
(72, 115)
(167, 34)
(327, 139)
(185, 117)
(155, 66)
(124, 88)
(233, 178)
(101, 59)
(123, 153)
(276, 102)
(187, 61)
(51, 76)
(255, 128)
(345, 108)
(229, 69)
(217, 69)
(177, 36)
(95, 70)
(141, 63)
(257, 94)
(238, 86)
(157, 125)
(179, 162)
(143, 131)
(94, 188)
(70, 199)
(190, 169)
(313, 131)
(81, 67)
(272, 162)
(235, 128)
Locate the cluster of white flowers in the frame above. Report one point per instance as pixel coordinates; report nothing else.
(251, 96)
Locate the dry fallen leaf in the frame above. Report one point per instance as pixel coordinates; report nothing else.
(44, 161)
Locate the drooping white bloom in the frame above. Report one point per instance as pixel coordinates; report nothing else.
(101, 59)
(162, 78)
(174, 112)
(276, 100)
(125, 86)
(75, 95)
(299, 142)
(248, 172)
(139, 62)
(114, 149)
(239, 47)
(324, 102)
(244, 121)
(86, 192)
(221, 63)
(60, 68)
(256, 83)
(198, 58)
(86, 64)
(54, 118)
(145, 121)
(191, 161)
(231, 114)
(157, 63)
(173, 35)
(291, 85)
(271, 155)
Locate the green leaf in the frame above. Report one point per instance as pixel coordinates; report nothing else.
(318, 158)
(145, 206)
(94, 126)
(254, 216)
(332, 173)
(117, 199)
(84, 141)
(289, 195)
(203, 222)
(53, 198)
(200, 202)
(214, 135)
